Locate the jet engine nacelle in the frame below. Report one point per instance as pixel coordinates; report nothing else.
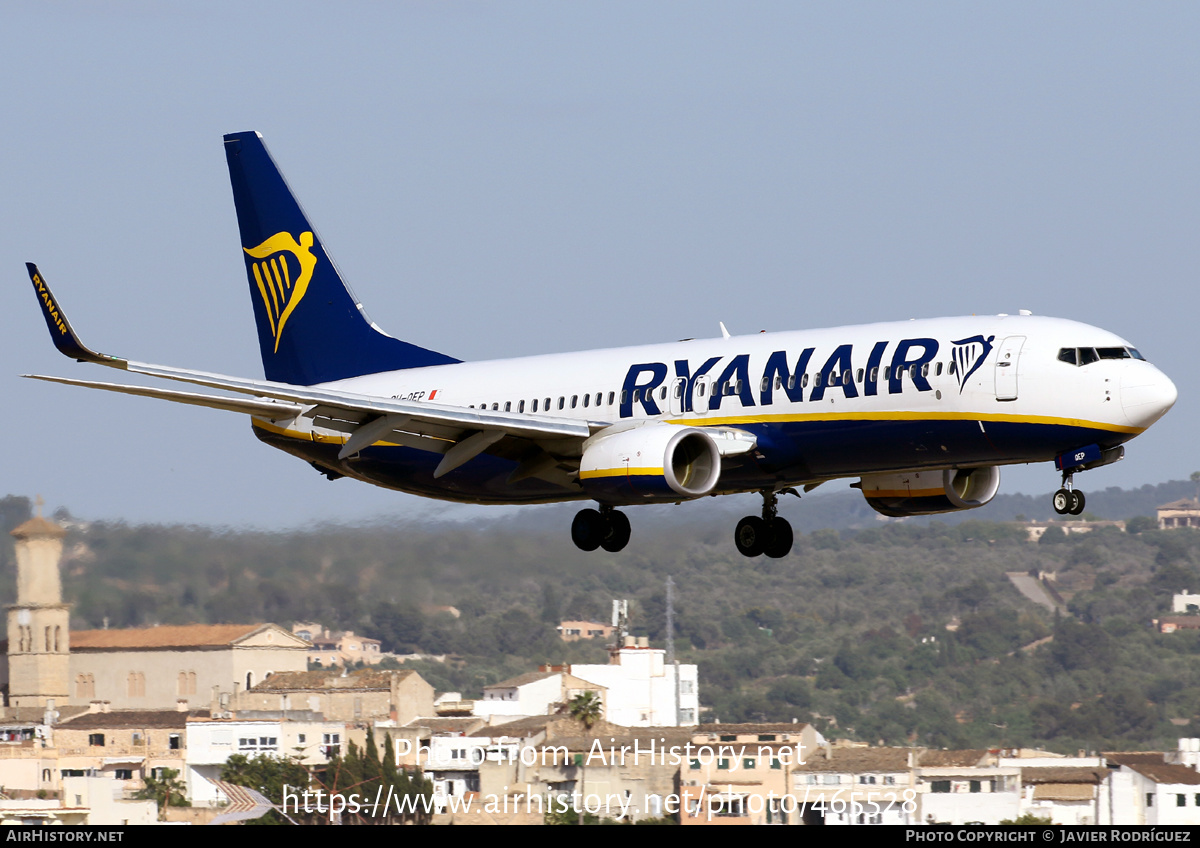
(655, 462)
(929, 492)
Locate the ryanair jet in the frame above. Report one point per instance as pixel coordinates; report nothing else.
(922, 413)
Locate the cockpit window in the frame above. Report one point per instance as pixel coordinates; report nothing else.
(1088, 355)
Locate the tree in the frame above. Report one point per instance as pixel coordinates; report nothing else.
(1140, 524)
(167, 790)
(1028, 818)
(14, 510)
(569, 817)
(370, 772)
(269, 776)
(792, 691)
(586, 708)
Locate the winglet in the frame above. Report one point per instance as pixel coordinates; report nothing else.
(61, 334)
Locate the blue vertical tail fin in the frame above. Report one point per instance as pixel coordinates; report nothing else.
(311, 329)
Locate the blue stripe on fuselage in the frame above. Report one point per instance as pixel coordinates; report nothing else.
(793, 452)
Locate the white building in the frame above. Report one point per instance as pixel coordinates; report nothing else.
(853, 785)
(961, 787)
(1069, 795)
(1064, 789)
(642, 689)
(535, 693)
(452, 762)
(447, 751)
(1147, 790)
(211, 742)
(85, 801)
(1185, 602)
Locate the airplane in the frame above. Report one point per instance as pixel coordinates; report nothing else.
(922, 412)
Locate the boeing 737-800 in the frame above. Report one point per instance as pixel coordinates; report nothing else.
(921, 412)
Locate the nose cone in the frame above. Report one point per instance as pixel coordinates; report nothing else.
(1146, 394)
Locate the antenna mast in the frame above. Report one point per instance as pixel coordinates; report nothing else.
(671, 661)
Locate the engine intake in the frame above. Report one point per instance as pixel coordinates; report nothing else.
(930, 492)
(663, 462)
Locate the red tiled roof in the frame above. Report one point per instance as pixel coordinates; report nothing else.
(182, 636)
(1167, 773)
(308, 681)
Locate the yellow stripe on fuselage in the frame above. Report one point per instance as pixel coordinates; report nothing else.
(785, 418)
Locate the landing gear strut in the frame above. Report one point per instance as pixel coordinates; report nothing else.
(770, 535)
(1068, 499)
(603, 528)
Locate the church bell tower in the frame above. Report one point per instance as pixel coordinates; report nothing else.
(38, 623)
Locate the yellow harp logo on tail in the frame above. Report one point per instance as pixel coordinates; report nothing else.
(283, 270)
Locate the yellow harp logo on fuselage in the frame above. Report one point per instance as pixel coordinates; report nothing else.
(283, 269)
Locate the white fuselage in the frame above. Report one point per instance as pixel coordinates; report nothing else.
(837, 402)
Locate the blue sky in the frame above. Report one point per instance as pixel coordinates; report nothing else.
(498, 179)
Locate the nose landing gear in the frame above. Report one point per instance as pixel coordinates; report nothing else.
(770, 535)
(1068, 500)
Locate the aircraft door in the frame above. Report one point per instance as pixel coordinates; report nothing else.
(1007, 356)
(701, 389)
(676, 400)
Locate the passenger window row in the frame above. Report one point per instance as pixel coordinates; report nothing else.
(546, 405)
(846, 377)
(731, 388)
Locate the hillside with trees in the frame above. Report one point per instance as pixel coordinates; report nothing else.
(850, 631)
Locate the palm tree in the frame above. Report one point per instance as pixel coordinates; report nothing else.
(586, 708)
(167, 790)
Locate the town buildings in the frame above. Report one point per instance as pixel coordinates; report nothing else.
(572, 631)
(1180, 513)
(93, 714)
(340, 648)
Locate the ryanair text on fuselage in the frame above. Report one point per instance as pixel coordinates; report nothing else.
(911, 358)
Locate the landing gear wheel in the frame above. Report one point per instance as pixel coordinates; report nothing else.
(751, 536)
(1077, 502)
(588, 529)
(617, 531)
(781, 539)
(1063, 501)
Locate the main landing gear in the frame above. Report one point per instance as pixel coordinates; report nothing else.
(608, 528)
(603, 528)
(770, 535)
(1068, 500)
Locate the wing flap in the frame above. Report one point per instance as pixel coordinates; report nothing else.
(332, 403)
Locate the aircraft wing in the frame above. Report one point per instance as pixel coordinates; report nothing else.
(456, 432)
(544, 446)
